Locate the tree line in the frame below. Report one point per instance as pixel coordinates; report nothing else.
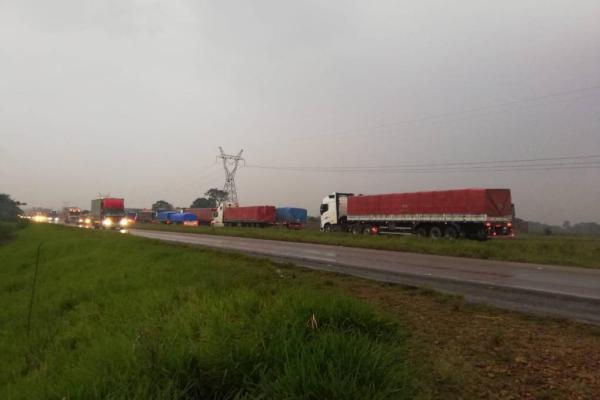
(211, 199)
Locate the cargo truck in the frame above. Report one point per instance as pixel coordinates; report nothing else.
(71, 215)
(471, 213)
(108, 213)
(203, 215)
(291, 217)
(252, 216)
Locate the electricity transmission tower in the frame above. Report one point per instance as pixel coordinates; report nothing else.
(230, 165)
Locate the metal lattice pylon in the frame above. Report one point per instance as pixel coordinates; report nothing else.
(230, 165)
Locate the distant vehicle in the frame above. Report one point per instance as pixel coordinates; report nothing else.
(203, 215)
(176, 218)
(108, 213)
(253, 216)
(472, 213)
(145, 216)
(71, 215)
(53, 217)
(163, 216)
(131, 216)
(291, 217)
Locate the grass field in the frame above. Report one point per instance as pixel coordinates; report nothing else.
(580, 251)
(116, 316)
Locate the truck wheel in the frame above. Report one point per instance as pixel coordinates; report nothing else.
(450, 233)
(367, 230)
(356, 229)
(421, 232)
(327, 228)
(435, 232)
(481, 235)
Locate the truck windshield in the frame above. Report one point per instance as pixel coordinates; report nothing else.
(324, 208)
(114, 213)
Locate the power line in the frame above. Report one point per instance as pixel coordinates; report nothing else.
(529, 164)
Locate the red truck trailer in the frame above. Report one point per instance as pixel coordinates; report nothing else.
(204, 215)
(257, 216)
(475, 213)
(108, 213)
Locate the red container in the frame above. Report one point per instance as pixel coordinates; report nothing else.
(254, 214)
(204, 215)
(109, 203)
(491, 202)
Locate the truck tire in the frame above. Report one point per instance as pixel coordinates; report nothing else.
(450, 232)
(481, 235)
(327, 228)
(421, 231)
(435, 232)
(356, 229)
(366, 230)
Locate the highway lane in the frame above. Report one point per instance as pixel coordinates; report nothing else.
(566, 292)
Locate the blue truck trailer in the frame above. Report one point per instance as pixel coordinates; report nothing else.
(291, 217)
(174, 217)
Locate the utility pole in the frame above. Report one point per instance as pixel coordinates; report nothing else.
(230, 165)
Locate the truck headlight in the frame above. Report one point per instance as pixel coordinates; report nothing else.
(107, 222)
(124, 222)
(88, 221)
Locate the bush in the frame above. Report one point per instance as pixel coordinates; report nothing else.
(8, 230)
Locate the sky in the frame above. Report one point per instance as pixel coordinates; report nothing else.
(133, 99)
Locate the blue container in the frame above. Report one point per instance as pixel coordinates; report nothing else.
(163, 216)
(291, 215)
(182, 217)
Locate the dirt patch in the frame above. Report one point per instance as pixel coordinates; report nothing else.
(475, 351)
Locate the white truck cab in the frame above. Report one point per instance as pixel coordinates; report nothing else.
(217, 221)
(334, 211)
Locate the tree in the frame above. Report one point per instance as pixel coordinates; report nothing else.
(217, 195)
(203, 202)
(9, 209)
(162, 205)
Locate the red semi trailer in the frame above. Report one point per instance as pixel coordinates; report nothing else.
(474, 213)
(204, 215)
(257, 216)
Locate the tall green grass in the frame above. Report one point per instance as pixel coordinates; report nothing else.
(580, 251)
(121, 317)
(8, 230)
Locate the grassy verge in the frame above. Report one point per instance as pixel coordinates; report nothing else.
(8, 230)
(123, 317)
(116, 316)
(580, 251)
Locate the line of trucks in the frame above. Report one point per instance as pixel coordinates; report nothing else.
(462, 213)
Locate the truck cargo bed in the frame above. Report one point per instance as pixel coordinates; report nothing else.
(465, 205)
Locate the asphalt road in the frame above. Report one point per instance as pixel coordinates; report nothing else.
(565, 292)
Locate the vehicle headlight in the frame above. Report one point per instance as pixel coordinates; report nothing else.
(88, 221)
(123, 222)
(107, 222)
(80, 220)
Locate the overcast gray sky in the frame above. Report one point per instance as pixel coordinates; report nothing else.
(133, 98)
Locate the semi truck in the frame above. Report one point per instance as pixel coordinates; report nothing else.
(108, 213)
(252, 216)
(71, 215)
(471, 213)
(203, 215)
